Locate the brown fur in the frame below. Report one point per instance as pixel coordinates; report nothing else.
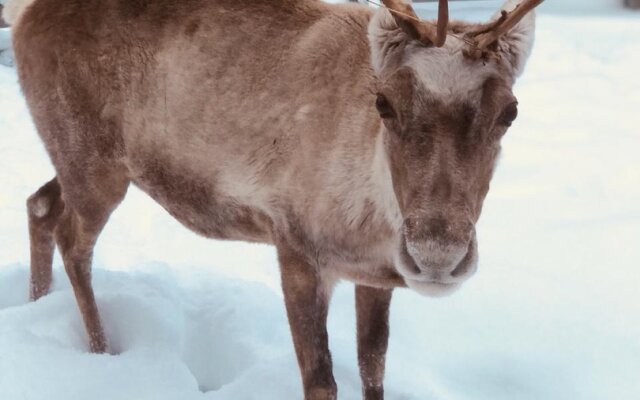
(372, 311)
(256, 120)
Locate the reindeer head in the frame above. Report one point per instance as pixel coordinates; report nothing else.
(445, 100)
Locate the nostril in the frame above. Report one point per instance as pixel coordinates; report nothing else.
(408, 261)
(468, 262)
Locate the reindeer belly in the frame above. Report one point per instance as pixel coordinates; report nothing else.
(193, 199)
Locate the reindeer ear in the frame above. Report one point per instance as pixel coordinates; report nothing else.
(387, 42)
(395, 24)
(515, 45)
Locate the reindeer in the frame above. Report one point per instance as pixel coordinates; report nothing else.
(359, 142)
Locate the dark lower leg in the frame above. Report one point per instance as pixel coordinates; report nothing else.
(80, 279)
(372, 311)
(76, 240)
(306, 298)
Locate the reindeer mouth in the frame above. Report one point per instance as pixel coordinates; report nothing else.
(433, 289)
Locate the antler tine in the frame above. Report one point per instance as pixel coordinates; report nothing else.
(406, 17)
(494, 30)
(443, 23)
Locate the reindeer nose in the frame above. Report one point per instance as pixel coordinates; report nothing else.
(437, 244)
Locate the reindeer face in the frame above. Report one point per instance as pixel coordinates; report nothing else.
(442, 151)
(444, 114)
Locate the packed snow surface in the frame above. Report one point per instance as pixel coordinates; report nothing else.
(553, 312)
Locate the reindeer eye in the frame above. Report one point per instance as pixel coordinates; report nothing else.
(384, 108)
(509, 114)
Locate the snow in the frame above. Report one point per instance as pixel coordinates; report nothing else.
(552, 313)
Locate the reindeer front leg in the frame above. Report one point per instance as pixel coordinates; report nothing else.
(372, 313)
(306, 296)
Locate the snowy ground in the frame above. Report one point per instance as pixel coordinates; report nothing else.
(553, 312)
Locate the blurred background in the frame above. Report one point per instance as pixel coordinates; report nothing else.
(475, 9)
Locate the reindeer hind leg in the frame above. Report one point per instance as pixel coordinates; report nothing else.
(88, 206)
(44, 208)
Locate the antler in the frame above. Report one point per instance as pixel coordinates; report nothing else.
(489, 33)
(406, 17)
